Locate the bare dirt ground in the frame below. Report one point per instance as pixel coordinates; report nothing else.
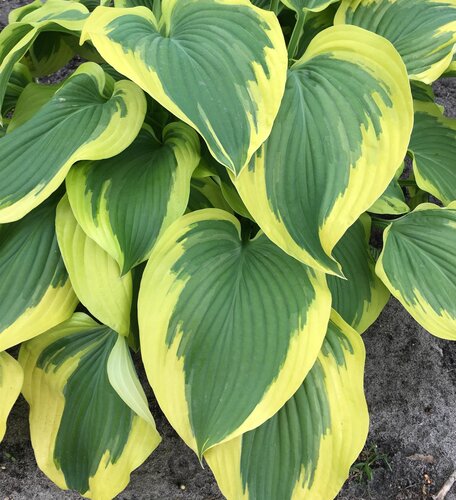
(410, 388)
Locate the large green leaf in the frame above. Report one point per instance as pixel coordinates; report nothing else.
(423, 31)
(85, 436)
(433, 146)
(35, 291)
(94, 274)
(88, 118)
(418, 265)
(361, 297)
(229, 327)
(17, 38)
(305, 450)
(125, 202)
(233, 57)
(11, 378)
(345, 121)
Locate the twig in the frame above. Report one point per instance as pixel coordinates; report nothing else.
(446, 487)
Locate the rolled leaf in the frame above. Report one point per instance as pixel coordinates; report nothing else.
(205, 192)
(27, 23)
(229, 327)
(418, 265)
(50, 52)
(95, 275)
(433, 146)
(34, 285)
(361, 297)
(125, 202)
(19, 79)
(345, 119)
(232, 54)
(78, 123)
(423, 31)
(11, 378)
(304, 451)
(85, 437)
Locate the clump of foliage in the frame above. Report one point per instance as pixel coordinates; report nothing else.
(203, 189)
(370, 458)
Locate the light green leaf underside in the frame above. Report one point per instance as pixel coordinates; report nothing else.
(418, 265)
(423, 31)
(346, 119)
(241, 316)
(125, 202)
(35, 291)
(84, 436)
(18, 37)
(11, 378)
(433, 146)
(308, 5)
(392, 201)
(232, 54)
(94, 274)
(123, 378)
(362, 296)
(305, 450)
(32, 99)
(82, 121)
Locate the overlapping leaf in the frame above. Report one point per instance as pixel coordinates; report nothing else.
(94, 274)
(306, 449)
(233, 57)
(229, 328)
(85, 436)
(25, 26)
(123, 203)
(392, 201)
(433, 146)
(361, 297)
(11, 378)
(19, 79)
(79, 123)
(342, 129)
(308, 5)
(418, 265)
(423, 31)
(34, 286)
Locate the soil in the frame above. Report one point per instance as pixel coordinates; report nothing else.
(410, 383)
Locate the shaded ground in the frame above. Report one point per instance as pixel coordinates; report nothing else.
(411, 391)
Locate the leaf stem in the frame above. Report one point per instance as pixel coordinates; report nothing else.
(297, 34)
(275, 6)
(407, 182)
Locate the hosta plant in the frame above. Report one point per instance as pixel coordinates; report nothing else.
(203, 189)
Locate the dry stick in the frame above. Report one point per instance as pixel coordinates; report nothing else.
(446, 487)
